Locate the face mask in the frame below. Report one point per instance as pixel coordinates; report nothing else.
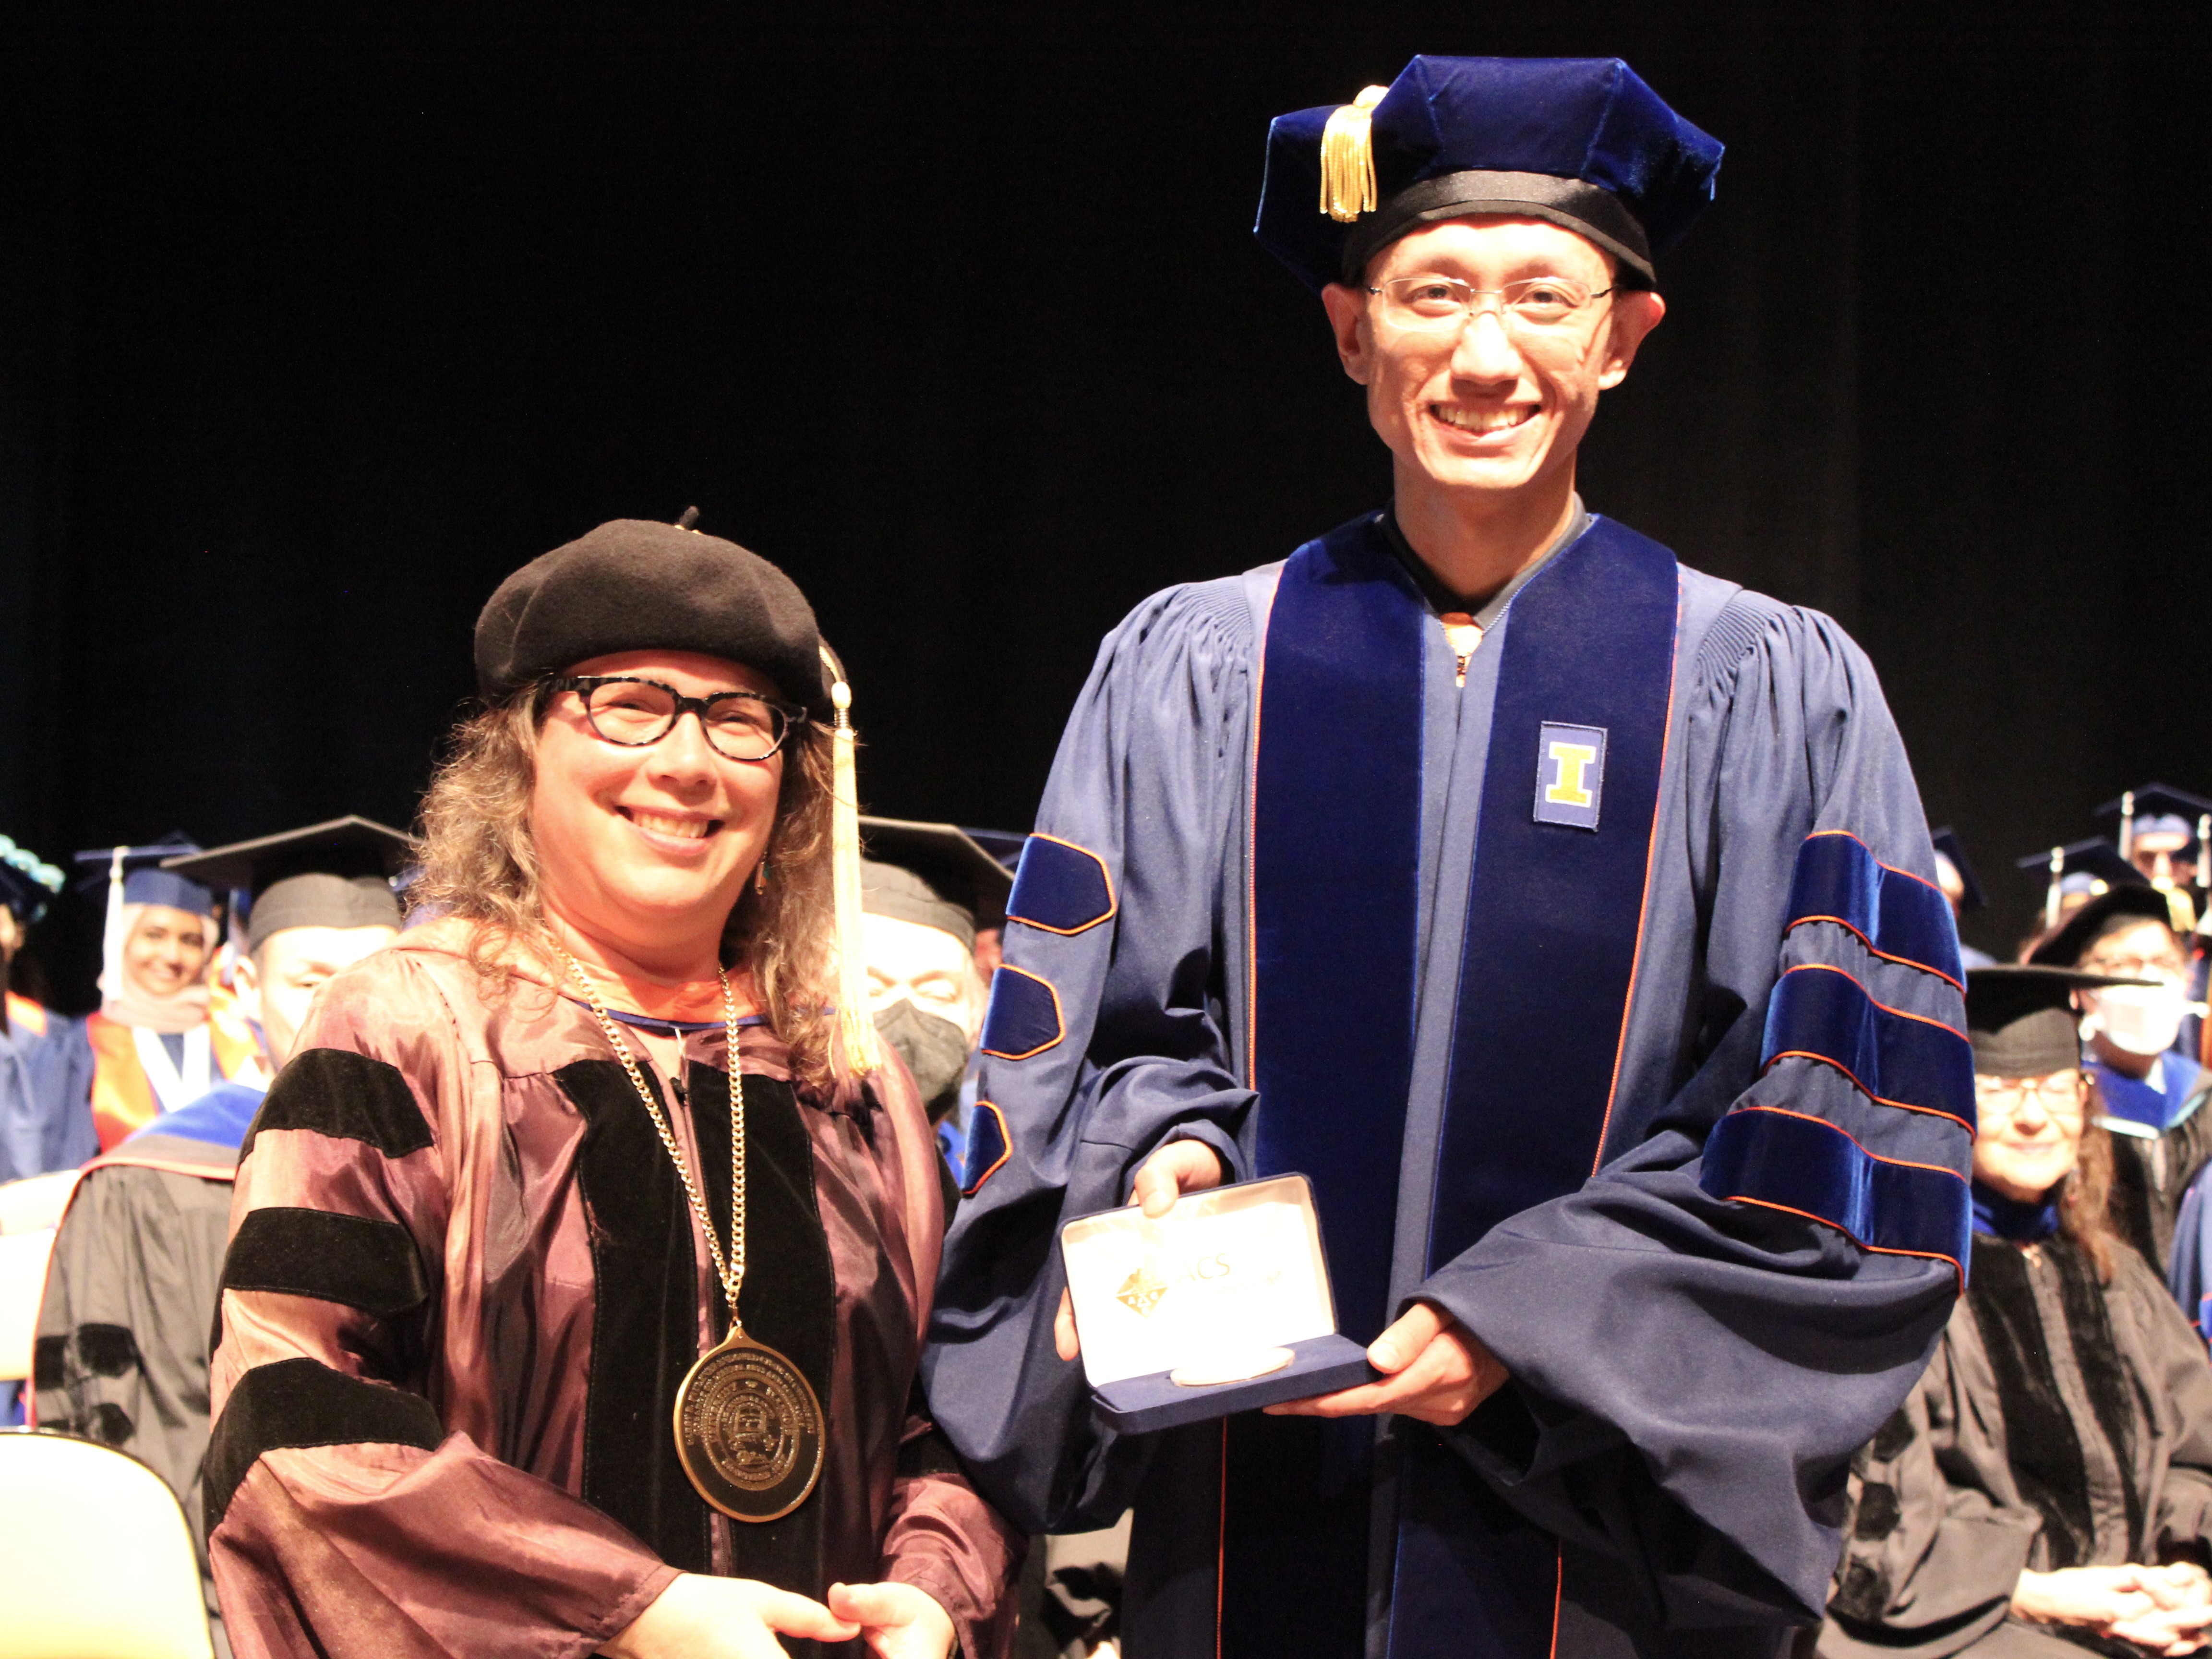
(935, 1050)
(2143, 1019)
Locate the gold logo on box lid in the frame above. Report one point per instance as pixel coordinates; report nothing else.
(1141, 1292)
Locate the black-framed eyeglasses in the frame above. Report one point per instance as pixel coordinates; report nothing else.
(635, 713)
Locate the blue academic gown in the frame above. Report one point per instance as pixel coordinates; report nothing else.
(45, 1092)
(1691, 1371)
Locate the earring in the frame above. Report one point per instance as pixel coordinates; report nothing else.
(760, 877)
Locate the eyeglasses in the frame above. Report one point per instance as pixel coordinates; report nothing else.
(741, 726)
(1434, 304)
(2064, 1099)
(2164, 967)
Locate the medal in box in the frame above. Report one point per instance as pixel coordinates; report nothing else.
(1221, 1306)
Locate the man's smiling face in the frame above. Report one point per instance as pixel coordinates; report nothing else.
(1489, 405)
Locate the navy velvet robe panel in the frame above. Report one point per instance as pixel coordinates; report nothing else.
(1697, 1343)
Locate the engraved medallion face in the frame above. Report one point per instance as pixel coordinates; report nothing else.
(749, 1431)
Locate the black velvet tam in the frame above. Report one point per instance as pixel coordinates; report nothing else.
(633, 584)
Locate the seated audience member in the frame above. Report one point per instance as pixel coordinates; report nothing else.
(1955, 876)
(123, 1329)
(2076, 874)
(2158, 833)
(45, 1115)
(153, 1046)
(2146, 1093)
(926, 890)
(2048, 1484)
(582, 1252)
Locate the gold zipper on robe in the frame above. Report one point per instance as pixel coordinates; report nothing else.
(1465, 634)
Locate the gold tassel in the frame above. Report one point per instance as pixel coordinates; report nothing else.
(1347, 158)
(858, 1031)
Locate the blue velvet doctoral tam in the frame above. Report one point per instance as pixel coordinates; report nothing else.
(1711, 1227)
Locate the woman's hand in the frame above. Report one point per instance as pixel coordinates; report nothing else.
(1179, 1167)
(701, 1617)
(900, 1621)
(2165, 1609)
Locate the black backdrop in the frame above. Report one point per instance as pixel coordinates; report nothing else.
(314, 321)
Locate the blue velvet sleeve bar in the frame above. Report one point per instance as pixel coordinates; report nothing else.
(1699, 1369)
(1106, 1036)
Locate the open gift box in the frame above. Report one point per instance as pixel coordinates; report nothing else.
(1222, 1305)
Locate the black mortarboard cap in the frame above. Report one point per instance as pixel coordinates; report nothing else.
(2065, 947)
(633, 584)
(2021, 1020)
(2157, 808)
(1948, 846)
(951, 867)
(145, 879)
(1580, 142)
(333, 874)
(1004, 845)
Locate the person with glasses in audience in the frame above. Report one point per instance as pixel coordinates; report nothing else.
(582, 1252)
(1567, 917)
(2047, 1487)
(2149, 1094)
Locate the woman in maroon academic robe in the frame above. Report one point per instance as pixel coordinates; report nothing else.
(467, 1280)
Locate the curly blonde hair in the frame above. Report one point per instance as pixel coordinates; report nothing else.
(480, 862)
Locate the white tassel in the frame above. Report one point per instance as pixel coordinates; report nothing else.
(857, 1029)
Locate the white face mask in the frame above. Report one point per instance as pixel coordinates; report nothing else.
(2143, 1019)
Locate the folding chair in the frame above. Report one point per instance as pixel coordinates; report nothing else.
(96, 1560)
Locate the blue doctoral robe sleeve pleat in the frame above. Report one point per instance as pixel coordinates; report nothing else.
(1692, 1368)
(1134, 1038)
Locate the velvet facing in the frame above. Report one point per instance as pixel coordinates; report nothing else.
(1555, 912)
(2042, 1438)
(1822, 1013)
(646, 1313)
(1023, 1018)
(1059, 887)
(1807, 1166)
(1896, 914)
(349, 1095)
(303, 1402)
(359, 1262)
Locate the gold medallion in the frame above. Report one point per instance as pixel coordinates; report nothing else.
(748, 1431)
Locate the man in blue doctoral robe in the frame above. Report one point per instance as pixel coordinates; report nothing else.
(1566, 915)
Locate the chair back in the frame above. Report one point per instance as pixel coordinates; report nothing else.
(36, 1201)
(96, 1559)
(23, 1258)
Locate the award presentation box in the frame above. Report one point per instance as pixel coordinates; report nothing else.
(1222, 1305)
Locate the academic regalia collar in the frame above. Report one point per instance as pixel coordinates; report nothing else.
(1999, 1217)
(1442, 601)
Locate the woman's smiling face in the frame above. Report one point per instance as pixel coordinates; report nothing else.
(636, 845)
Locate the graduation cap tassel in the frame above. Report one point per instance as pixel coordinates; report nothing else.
(2051, 895)
(2204, 852)
(2128, 824)
(1347, 158)
(857, 1029)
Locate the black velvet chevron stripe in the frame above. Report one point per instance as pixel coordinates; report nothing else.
(359, 1261)
(303, 1402)
(351, 1097)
